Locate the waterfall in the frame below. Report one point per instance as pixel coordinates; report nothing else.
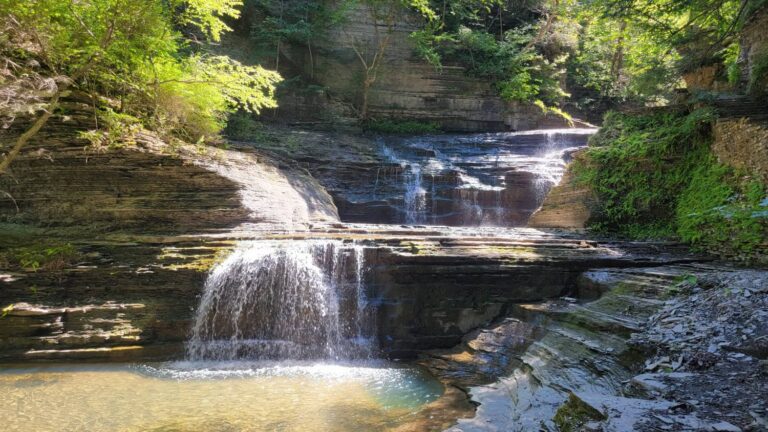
(495, 179)
(278, 300)
(415, 196)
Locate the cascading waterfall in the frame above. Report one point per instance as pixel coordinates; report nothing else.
(415, 196)
(285, 300)
(496, 179)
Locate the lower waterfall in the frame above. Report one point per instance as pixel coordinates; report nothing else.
(285, 300)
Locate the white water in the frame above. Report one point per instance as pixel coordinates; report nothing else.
(285, 300)
(479, 163)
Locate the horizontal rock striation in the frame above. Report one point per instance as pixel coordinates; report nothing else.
(145, 183)
(133, 296)
(406, 86)
(565, 363)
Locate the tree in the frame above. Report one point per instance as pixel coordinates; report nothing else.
(132, 49)
(382, 13)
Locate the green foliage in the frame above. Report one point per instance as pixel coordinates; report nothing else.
(504, 53)
(50, 257)
(243, 127)
(404, 127)
(655, 176)
(132, 51)
(116, 130)
(207, 14)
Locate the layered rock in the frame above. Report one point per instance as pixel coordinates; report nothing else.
(569, 204)
(569, 364)
(145, 183)
(133, 296)
(406, 86)
(493, 179)
(754, 53)
(741, 135)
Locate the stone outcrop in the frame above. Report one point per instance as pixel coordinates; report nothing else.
(741, 135)
(134, 296)
(568, 205)
(494, 179)
(570, 364)
(406, 86)
(147, 184)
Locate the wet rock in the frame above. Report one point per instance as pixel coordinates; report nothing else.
(724, 426)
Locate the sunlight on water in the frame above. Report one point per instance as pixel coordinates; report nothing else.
(212, 396)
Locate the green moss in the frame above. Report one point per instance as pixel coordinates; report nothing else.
(574, 413)
(656, 177)
(49, 257)
(405, 127)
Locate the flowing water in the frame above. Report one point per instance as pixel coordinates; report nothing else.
(496, 179)
(285, 300)
(303, 303)
(213, 396)
(284, 335)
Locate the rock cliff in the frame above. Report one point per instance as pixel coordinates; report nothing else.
(406, 87)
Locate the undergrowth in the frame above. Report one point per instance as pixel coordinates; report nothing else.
(655, 177)
(49, 257)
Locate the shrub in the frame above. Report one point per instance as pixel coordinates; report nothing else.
(655, 177)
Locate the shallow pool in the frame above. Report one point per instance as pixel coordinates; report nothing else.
(212, 396)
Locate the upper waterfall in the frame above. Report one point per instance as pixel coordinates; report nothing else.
(493, 179)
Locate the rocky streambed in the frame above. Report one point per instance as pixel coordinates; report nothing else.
(527, 329)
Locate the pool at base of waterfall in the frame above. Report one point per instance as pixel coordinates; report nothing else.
(213, 396)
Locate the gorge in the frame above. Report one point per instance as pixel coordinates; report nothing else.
(409, 232)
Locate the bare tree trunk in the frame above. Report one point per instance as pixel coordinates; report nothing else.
(364, 106)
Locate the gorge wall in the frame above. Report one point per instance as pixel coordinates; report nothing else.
(406, 86)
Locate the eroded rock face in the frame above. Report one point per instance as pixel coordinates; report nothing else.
(58, 181)
(496, 179)
(743, 144)
(568, 205)
(134, 297)
(754, 48)
(406, 86)
(530, 368)
(146, 184)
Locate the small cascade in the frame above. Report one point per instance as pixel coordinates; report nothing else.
(415, 196)
(285, 300)
(496, 179)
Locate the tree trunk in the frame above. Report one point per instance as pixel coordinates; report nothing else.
(364, 106)
(26, 136)
(617, 65)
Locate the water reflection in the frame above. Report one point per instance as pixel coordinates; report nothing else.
(213, 396)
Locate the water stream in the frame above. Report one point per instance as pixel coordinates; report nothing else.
(496, 179)
(284, 335)
(283, 339)
(285, 300)
(211, 397)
